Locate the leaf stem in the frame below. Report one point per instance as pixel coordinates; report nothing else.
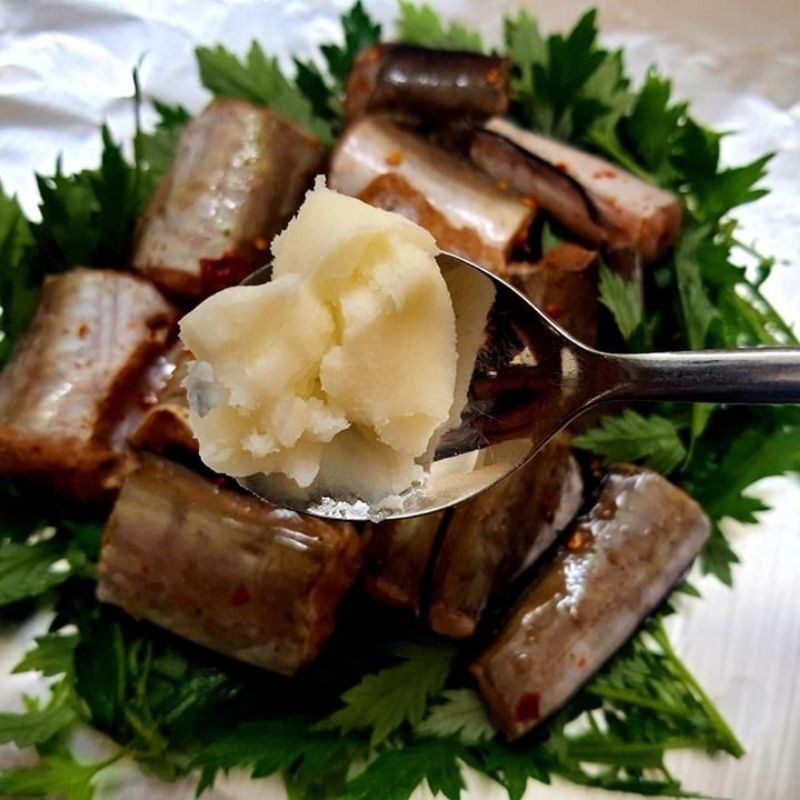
(733, 745)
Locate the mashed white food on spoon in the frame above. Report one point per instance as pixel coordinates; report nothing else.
(340, 372)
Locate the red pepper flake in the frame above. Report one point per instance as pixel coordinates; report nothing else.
(581, 662)
(527, 709)
(562, 165)
(240, 595)
(144, 569)
(502, 186)
(219, 273)
(493, 76)
(105, 539)
(528, 201)
(554, 310)
(605, 172)
(83, 330)
(395, 158)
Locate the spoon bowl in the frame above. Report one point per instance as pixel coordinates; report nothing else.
(521, 379)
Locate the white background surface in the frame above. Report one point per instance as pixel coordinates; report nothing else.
(65, 66)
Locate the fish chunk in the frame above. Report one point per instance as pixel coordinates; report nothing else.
(593, 198)
(563, 284)
(399, 171)
(165, 424)
(222, 569)
(240, 173)
(396, 555)
(501, 531)
(419, 83)
(75, 378)
(618, 563)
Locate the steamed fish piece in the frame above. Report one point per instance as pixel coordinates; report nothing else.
(239, 174)
(619, 561)
(399, 171)
(591, 197)
(78, 378)
(420, 84)
(222, 569)
(493, 536)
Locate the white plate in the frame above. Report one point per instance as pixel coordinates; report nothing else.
(65, 66)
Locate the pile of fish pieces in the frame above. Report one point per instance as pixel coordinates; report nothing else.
(92, 406)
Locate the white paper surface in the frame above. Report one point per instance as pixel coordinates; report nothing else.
(65, 66)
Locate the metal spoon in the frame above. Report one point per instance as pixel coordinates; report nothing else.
(525, 379)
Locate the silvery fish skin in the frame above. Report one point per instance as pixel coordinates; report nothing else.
(255, 582)
(420, 83)
(591, 197)
(396, 556)
(77, 378)
(464, 210)
(618, 563)
(239, 174)
(499, 532)
(165, 423)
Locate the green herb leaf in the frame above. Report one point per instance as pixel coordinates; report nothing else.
(18, 289)
(26, 570)
(718, 557)
(420, 24)
(461, 714)
(394, 774)
(384, 701)
(652, 125)
(512, 765)
(360, 31)
(38, 725)
(88, 218)
(654, 440)
(51, 655)
(155, 151)
(58, 776)
(270, 746)
(552, 78)
(623, 299)
(258, 79)
(698, 310)
(658, 702)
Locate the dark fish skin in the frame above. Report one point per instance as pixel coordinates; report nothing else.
(222, 569)
(419, 83)
(76, 378)
(618, 563)
(239, 174)
(396, 556)
(464, 210)
(594, 199)
(165, 424)
(490, 538)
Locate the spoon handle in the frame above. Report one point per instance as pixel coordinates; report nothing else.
(760, 375)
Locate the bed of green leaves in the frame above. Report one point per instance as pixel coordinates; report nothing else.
(388, 707)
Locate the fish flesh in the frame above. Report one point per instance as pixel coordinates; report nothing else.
(239, 174)
(80, 373)
(399, 171)
(254, 582)
(618, 562)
